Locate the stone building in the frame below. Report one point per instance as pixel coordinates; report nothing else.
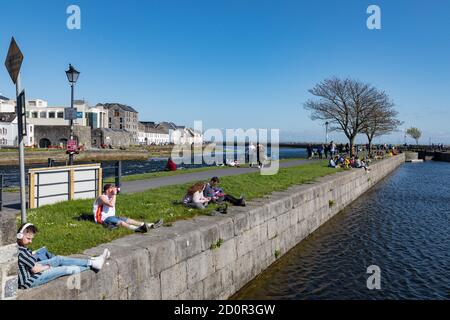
(122, 117)
(115, 138)
(57, 136)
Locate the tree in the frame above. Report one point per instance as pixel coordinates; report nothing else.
(414, 133)
(382, 119)
(345, 103)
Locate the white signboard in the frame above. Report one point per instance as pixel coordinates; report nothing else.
(57, 184)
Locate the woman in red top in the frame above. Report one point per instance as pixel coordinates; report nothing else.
(171, 166)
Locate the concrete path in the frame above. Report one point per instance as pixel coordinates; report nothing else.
(12, 200)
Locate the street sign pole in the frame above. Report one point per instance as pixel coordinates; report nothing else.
(13, 64)
(23, 199)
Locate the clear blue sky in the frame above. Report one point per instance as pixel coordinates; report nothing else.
(235, 63)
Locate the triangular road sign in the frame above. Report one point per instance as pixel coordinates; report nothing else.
(14, 60)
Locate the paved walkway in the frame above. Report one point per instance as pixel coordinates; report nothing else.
(12, 200)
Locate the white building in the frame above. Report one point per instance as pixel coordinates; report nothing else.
(149, 134)
(9, 131)
(181, 134)
(39, 113)
(7, 105)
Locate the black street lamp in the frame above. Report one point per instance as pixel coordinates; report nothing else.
(326, 132)
(72, 76)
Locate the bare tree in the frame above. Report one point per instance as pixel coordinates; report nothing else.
(382, 119)
(345, 103)
(414, 133)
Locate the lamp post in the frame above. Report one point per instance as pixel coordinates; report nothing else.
(326, 132)
(72, 76)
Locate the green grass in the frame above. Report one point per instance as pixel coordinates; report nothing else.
(63, 233)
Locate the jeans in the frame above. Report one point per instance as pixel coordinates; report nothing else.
(60, 266)
(114, 220)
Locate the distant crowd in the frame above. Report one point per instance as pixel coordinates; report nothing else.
(342, 156)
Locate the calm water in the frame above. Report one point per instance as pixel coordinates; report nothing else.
(402, 225)
(11, 177)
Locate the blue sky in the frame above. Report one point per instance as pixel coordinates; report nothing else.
(235, 63)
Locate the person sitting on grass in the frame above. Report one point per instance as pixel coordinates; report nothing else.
(334, 162)
(104, 210)
(33, 273)
(171, 166)
(216, 194)
(194, 197)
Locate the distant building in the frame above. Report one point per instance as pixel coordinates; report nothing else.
(39, 113)
(9, 131)
(181, 134)
(149, 134)
(122, 117)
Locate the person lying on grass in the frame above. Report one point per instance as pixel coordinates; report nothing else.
(216, 194)
(194, 197)
(105, 213)
(33, 273)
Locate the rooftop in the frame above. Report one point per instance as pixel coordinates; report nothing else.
(122, 106)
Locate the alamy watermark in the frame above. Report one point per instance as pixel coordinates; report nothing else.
(253, 144)
(374, 281)
(374, 20)
(74, 19)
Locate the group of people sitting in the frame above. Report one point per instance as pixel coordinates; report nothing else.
(346, 162)
(201, 194)
(40, 267)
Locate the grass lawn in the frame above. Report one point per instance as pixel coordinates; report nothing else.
(63, 233)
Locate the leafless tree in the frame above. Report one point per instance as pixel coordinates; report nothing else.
(345, 103)
(382, 118)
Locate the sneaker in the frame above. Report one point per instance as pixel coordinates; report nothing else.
(243, 203)
(157, 224)
(106, 254)
(142, 229)
(97, 263)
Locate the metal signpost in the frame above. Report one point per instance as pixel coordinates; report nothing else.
(13, 64)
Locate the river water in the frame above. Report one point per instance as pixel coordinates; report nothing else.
(11, 173)
(402, 225)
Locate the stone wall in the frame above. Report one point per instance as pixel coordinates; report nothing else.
(55, 134)
(8, 256)
(213, 257)
(114, 137)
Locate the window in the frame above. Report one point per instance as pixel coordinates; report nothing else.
(60, 115)
(121, 120)
(28, 114)
(31, 129)
(110, 121)
(34, 115)
(116, 114)
(51, 115)
(121, 127)
(43, 115)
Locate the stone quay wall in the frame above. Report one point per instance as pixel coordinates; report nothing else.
(214, 257)
(8, 256)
